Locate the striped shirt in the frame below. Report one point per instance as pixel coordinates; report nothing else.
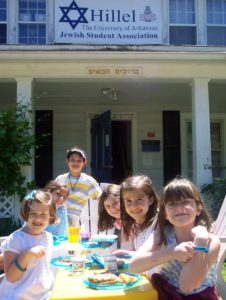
(80, 190)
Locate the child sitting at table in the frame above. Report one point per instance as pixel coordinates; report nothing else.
(109, 214)
(27, 251)
(138, 203)
(59, 192)
(182, 245)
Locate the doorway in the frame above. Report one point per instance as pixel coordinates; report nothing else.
(111, 149)
(121, 150)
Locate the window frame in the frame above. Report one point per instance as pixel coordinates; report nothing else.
(214, 118)
(188, 25)
(30, 23)
(214, 24)
(6, 24)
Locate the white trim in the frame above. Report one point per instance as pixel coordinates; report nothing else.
(201, 22)
(24, 96)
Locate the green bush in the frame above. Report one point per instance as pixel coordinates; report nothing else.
(224, 271)
(213, 195)
(16, 143)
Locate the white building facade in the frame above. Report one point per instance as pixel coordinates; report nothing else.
(157, 67)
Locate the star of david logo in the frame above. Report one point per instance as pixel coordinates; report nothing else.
(74, 8)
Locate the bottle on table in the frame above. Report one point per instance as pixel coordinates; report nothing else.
(78, 261)
(110, 262)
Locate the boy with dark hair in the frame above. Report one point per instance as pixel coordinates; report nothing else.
(81, 186)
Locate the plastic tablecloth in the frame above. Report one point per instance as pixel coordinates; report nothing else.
(71, 287)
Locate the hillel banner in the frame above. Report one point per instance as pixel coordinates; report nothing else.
(116, 22)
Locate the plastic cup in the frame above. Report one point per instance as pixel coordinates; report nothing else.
(78, 264)
(73, 234)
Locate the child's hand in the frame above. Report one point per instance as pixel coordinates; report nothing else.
(121, 252)
(37, 251)
(184, 251)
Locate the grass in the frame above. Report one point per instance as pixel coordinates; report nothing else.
(224, 271)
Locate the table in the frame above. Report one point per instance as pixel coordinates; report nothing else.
(71, 287)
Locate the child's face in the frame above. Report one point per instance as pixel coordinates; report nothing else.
(75, 164)
(137, 204)
(38, 218)
(112, 206)
(182, 213)
(60, 196)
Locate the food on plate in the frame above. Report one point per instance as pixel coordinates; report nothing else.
(66, 261)
(126, 278)
(111, 278)
(104, 278)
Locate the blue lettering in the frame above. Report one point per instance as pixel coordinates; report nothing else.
(126, 17)
(93, 15)
(112, 16)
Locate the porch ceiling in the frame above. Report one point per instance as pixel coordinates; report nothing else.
(129, 91)
(132, 91)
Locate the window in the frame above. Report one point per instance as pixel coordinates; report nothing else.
(182, 22)
(3, 23)
(216, 22)
(32, 22)
(216, 148)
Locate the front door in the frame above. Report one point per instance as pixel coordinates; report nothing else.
(101, 158)
(111, 154)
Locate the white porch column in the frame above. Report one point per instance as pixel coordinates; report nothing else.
(24, 96)
(201, 145)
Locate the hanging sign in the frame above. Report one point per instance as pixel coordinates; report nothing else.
(117, 22)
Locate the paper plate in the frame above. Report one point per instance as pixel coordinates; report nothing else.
(64, 262)
(90, 244)
(98, 244)
(116, 286)
(104, 237)
(57, 240)
(101, 241)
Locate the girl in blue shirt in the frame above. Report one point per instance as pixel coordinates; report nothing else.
(59, 192)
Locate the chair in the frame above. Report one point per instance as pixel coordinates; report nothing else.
(2, 238)
(220, 231)
(89, 215)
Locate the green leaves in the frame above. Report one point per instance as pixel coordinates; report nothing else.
(16, 143)
(214, 194)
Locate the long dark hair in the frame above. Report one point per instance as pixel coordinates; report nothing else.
(105, 221)
(144, 184)
(176, 190)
